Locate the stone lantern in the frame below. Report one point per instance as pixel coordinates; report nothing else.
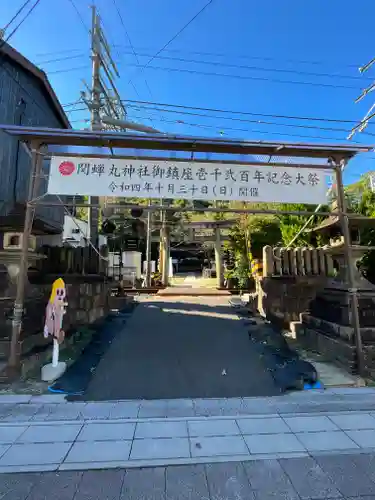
(331, 227)
(10, 256)
(328, 325)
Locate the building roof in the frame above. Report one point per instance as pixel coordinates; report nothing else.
(40, 75)
(333, 221)
(15, 220)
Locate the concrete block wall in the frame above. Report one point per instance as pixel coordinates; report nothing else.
(283, 299)
(87, 302)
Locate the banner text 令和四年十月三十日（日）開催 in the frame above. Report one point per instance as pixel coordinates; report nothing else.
(186, 180)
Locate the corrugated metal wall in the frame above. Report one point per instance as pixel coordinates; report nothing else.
(28, 105)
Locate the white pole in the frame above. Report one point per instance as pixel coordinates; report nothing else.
(56, 348)
(55, 353)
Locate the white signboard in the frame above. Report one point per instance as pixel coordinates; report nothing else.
(185, 180)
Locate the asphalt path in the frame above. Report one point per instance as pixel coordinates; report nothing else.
(181, 347)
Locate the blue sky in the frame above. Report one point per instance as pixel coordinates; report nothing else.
(321, 43)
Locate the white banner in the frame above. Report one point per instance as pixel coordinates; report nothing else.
(186, 180)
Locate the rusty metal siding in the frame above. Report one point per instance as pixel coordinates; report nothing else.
(36, 111)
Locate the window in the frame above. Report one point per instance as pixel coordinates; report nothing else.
(14, 241)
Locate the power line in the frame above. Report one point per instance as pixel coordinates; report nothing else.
(244, 113)
(222, 54)
(59, 59)
(3, 54)
(127, 35)
(16, 15)
(79, 16)
(224, 75)
(261, 122)
(221, 64)
(219, 127)
(245, 77)
(64, 51)
(174, 36)
(12, 33)
(133, 51)
(181, 110)
(20, 23)
(75, 110)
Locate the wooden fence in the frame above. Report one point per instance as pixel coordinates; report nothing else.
(70, 261)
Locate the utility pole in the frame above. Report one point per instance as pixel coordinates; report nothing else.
(95, 81)
(93, 211)
(103, 100)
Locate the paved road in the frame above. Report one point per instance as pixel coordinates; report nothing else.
(181, 347)
(334, 476)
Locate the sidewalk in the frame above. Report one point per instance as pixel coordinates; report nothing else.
(45, 434)
(334, 476)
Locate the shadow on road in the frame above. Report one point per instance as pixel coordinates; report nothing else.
(181, 349)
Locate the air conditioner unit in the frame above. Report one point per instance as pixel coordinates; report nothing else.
(13, 241)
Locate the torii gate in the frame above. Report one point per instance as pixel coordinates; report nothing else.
(268, 170)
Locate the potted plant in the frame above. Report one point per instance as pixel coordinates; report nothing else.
(242, 272)
(231, 281)
(156, 279)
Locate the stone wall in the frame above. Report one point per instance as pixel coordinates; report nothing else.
(87, 302)
(334, 305)
(336, 342)
(333, 349)
(283, 299)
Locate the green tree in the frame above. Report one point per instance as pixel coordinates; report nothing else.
(264, 230)
(361, 200)
(291, 225)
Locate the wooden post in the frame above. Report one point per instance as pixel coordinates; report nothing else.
(36, 165)
(348, 256)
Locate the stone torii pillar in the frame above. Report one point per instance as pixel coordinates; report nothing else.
(164, 255)
(218, 259)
